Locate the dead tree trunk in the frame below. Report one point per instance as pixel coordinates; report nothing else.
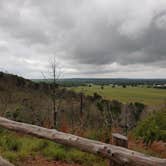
(54, 112)
(81, 105)
(119, 155)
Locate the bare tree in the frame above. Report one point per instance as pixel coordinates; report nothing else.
(56, 73)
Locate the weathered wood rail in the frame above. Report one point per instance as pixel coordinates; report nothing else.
(119, 155)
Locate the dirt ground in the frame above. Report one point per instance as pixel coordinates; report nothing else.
(40, 161)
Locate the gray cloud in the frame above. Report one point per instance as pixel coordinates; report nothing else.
(106, 44)
(89, 38)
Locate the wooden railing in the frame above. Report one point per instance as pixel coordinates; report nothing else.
(120, 156)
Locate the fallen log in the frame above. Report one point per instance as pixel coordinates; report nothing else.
(4, 162)
(121, 156)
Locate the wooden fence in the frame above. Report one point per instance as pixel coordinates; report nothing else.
(119, 155)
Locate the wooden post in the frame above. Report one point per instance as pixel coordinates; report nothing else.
(118, 140)
(3, 162)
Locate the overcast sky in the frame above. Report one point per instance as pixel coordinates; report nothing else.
(89, 38)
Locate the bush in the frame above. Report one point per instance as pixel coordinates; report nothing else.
(152, 128)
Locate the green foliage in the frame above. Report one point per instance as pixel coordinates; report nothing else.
(153, 127)
(10, 156)
(85, 158)
(54, 153)
(10, 144)
(16, 148)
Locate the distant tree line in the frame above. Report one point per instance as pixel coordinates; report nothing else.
(120, 82)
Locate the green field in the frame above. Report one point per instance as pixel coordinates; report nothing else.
(148, 96)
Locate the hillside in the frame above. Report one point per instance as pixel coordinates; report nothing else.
(26, 101)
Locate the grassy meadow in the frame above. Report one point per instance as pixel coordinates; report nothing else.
(143, 94)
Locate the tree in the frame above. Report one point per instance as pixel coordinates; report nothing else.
(81, 105)
(55, 72)
(102, 87)
(124, 86)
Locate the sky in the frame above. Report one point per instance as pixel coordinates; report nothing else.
(88, 38)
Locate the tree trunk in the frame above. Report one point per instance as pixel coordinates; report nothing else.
(81, 105)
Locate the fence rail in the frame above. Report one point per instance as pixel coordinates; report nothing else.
(119, 155)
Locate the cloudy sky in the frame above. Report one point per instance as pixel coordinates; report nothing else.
(89, 38)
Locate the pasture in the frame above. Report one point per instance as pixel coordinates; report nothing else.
(143, 94)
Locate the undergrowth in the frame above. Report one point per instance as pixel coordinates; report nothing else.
(15, 148)
(152, 128)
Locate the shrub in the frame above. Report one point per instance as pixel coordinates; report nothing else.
(152, 128)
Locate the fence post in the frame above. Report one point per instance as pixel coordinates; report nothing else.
(118, 140)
